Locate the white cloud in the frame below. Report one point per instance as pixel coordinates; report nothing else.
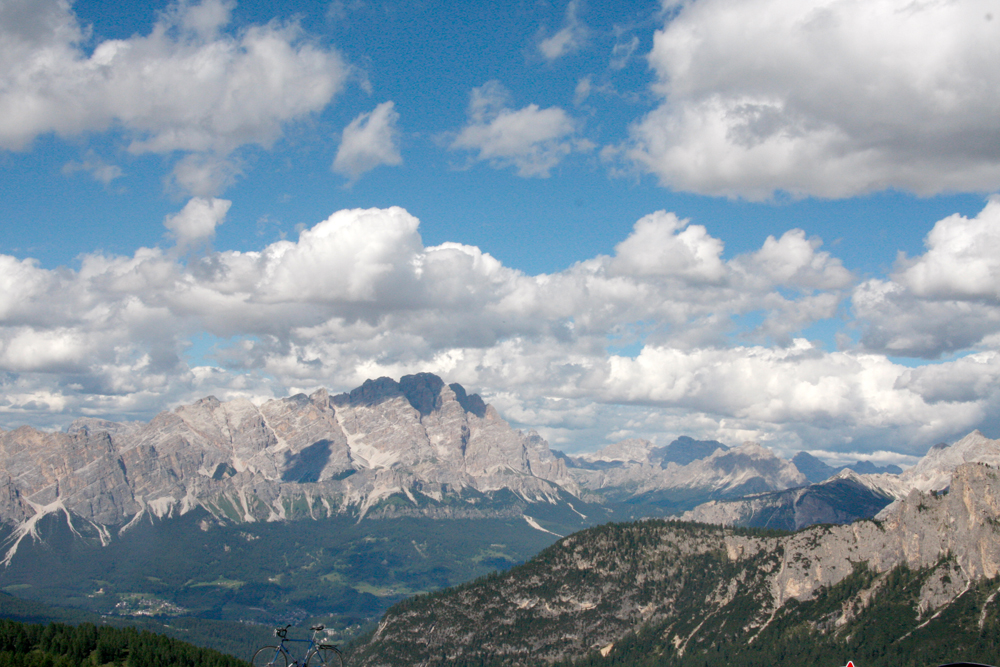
(943, 301)
(531, 139)
(830, 98)
(187, 86)
(570, 38)
(197, 221)
(359, 295)
(962, 260)
(664, 245)
(370, 140)
(204, 174)
(802, 389)
(795, 260)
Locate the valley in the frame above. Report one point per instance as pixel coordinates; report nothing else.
(339, 509)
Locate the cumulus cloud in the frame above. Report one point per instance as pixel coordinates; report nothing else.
(822, 98)
(531, 139)
(801, 388)
(197, 221)
(187, 86)
(359, 295)
(370, 140)
(962, 259)
(570, 38)
(662, 244)
(944, 301)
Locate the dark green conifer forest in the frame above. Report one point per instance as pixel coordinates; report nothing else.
(87, 645)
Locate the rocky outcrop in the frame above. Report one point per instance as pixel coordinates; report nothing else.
(934, 471)
(963, 524)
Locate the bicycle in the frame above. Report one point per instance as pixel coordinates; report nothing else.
(317, 655)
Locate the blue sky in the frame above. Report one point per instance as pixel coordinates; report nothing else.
(753, 219)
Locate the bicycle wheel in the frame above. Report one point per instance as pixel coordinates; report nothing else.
(326, 656)
(269, 656)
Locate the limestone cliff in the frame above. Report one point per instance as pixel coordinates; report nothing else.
(416, 438)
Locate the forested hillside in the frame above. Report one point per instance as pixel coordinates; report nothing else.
(87, 645)
(919, 587)
(235, 639)
(889, 632)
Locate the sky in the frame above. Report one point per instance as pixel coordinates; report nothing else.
(770, 220)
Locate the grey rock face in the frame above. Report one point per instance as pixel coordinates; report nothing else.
(245, 462)
(965, 522)
(80, 472)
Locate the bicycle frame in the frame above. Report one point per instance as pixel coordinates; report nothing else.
(322, 652)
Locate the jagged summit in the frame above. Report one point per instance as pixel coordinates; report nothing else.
(416, 438)
(816, 470)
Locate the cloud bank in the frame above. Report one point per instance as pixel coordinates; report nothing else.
(358, 295)
(829, 98)
(187, 87)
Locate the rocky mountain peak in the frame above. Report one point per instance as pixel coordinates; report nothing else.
(470, 402)
(423, 391)
(631, 450)
(685, 450)
(245, 462)
(934, 471)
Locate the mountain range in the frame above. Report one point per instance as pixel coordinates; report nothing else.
(847, 495)
(334, 507)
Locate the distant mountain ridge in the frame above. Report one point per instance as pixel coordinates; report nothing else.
(843, 498)
(817, 471)
(682, 451)
(675, 477)
(418, 439)
(848, 495)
